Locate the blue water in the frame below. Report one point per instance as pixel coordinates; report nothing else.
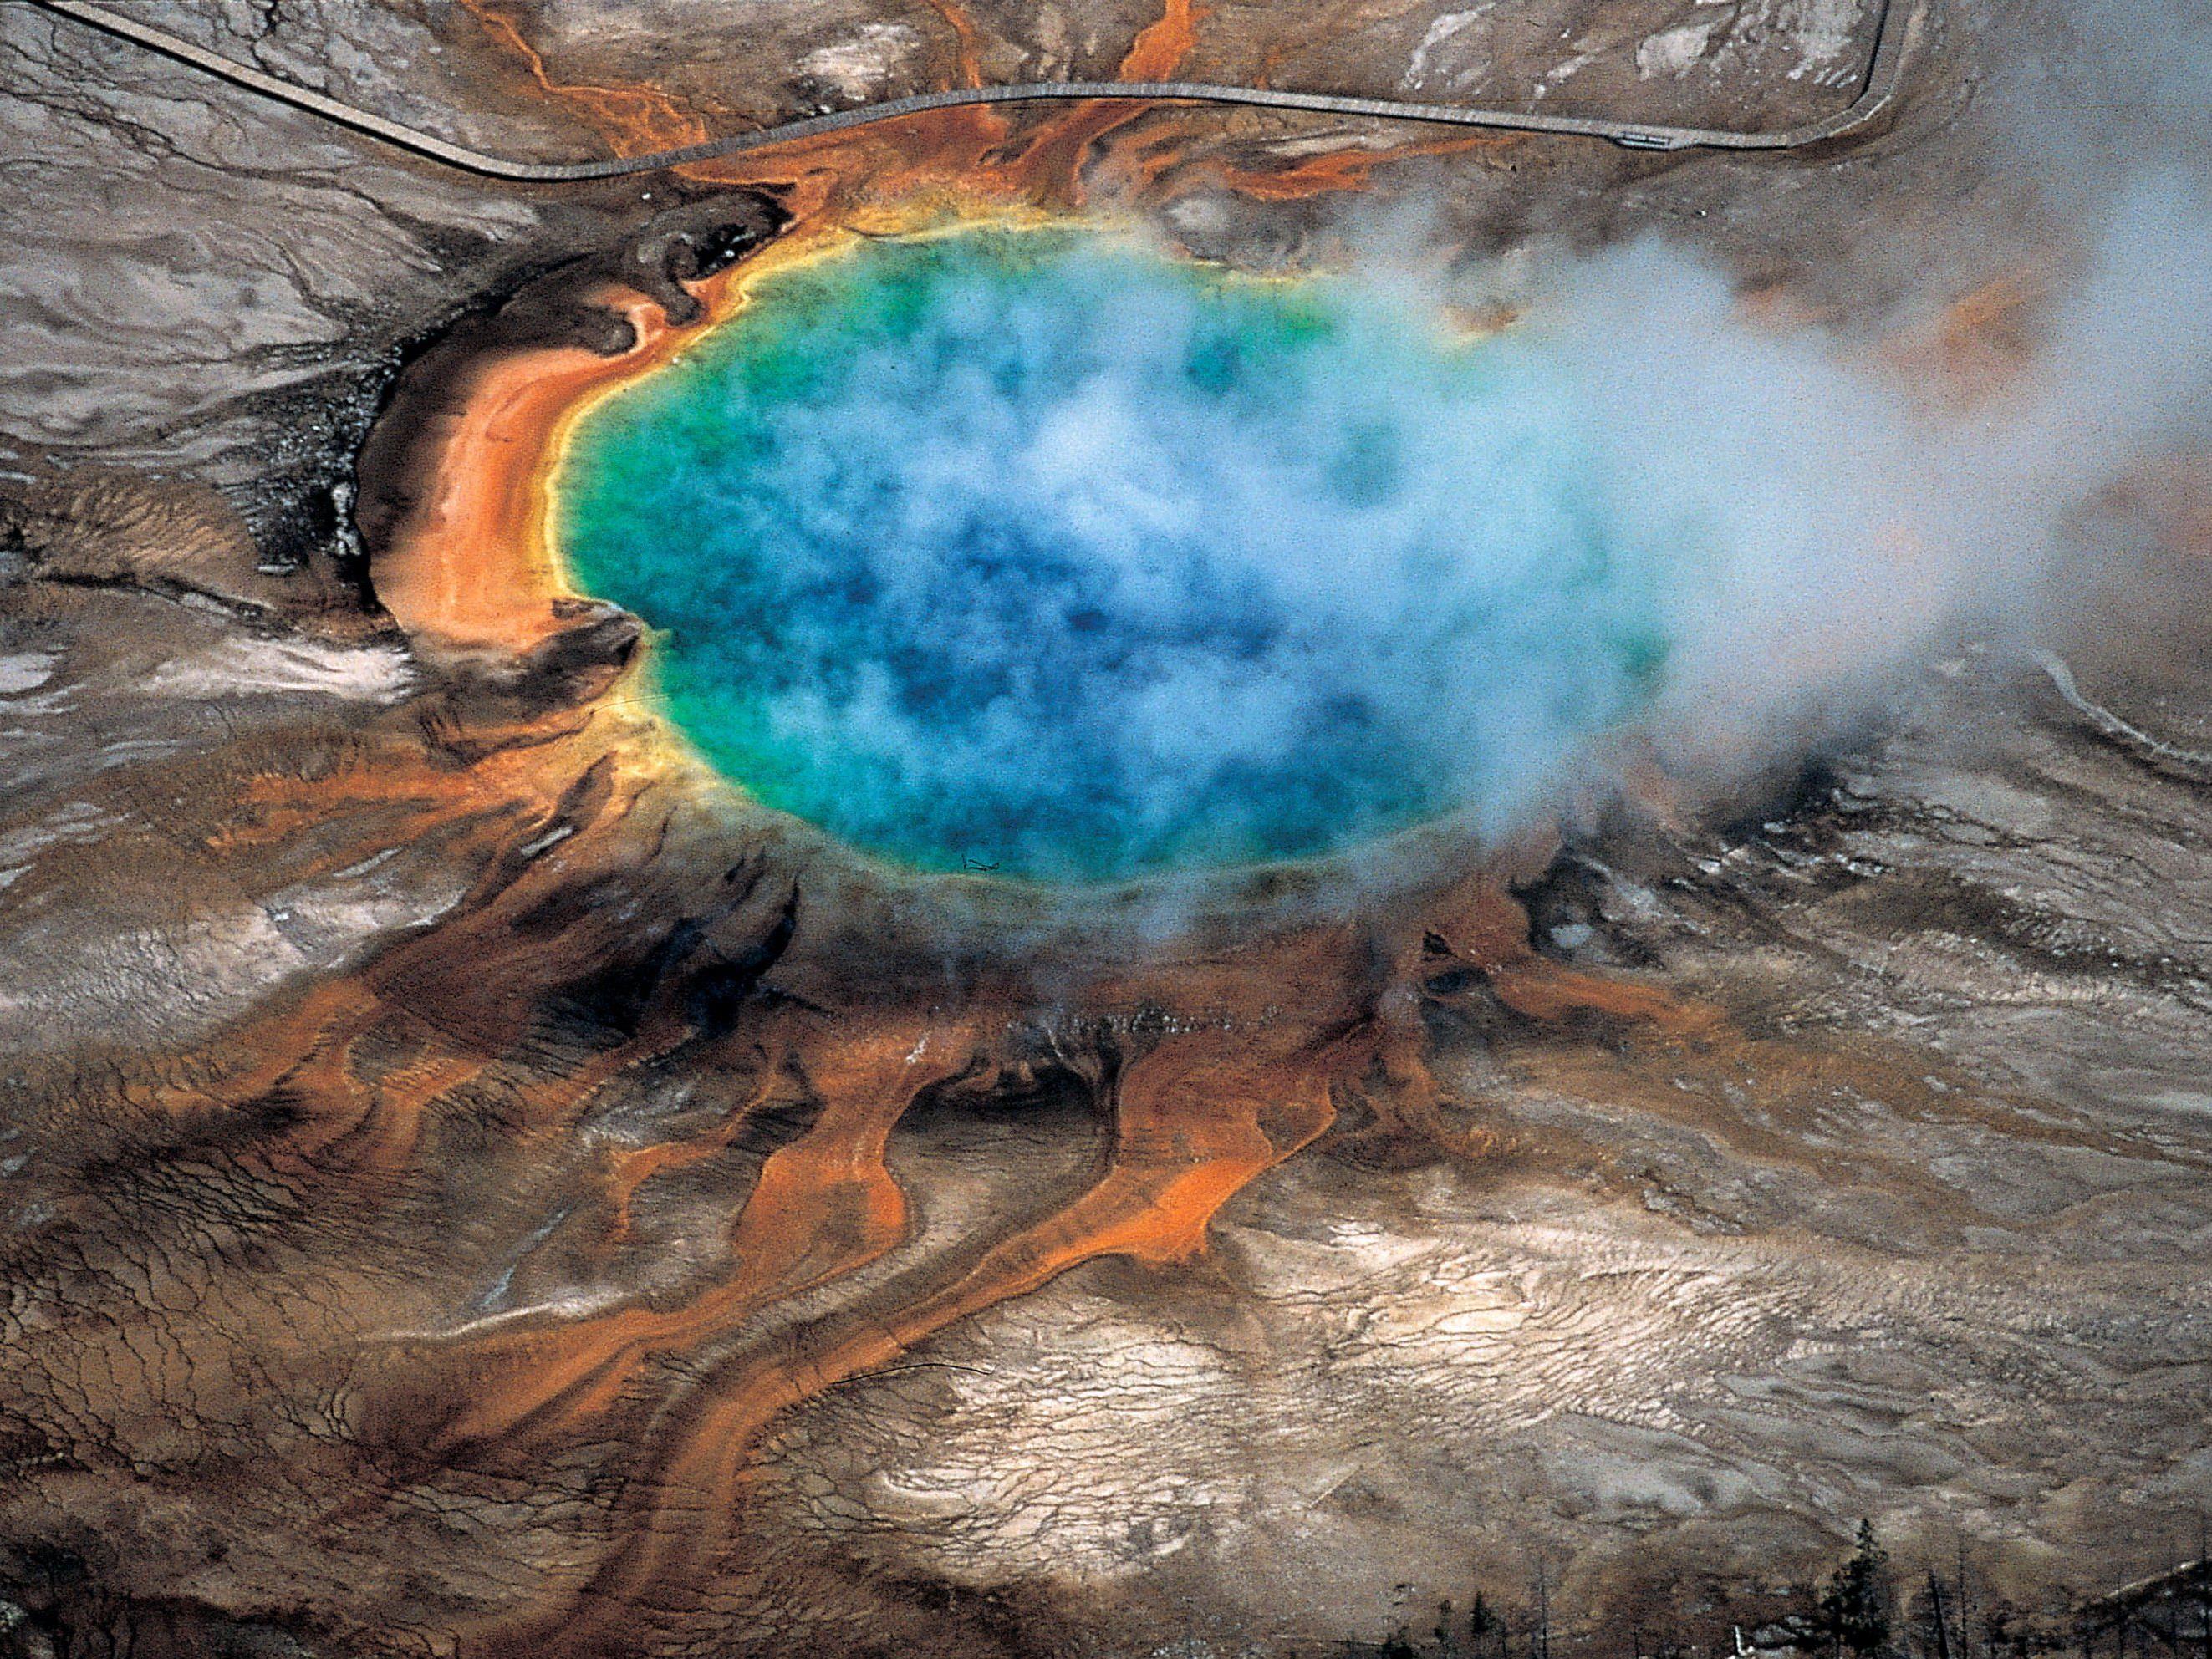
(1037, 550)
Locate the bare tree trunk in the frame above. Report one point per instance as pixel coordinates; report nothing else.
(1943, 1634)
(1965, 1640)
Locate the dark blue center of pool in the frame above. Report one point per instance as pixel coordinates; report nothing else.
(1035, 550)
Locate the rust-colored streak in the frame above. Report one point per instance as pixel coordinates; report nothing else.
(479, 815)
(636, 119)
(1062, 147)
(826, 1204)
(1196, 1118)
(376, 1125)
(821, 1280)
(967, 35)
(989, 157)
(823, 1206)
(819, 1277)
(629, 1170)
(1973, 350)
(1484, 927)
(1195, 1121)
(947, 149)
(1351, 169)
(1161, 46)
(617, 932)
(471, 562)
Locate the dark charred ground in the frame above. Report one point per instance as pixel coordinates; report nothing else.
(1923, 1239)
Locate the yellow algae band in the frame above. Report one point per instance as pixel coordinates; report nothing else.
(473, 561)
(1036, 551)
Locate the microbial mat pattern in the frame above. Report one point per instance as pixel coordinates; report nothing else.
(1037, 550)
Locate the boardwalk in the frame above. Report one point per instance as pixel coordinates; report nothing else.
(1896, 22)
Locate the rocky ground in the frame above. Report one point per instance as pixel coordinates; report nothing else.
(395, 1038)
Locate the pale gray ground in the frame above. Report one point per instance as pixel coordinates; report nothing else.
(1647, 1342)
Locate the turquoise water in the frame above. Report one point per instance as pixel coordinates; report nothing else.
(1035, 550)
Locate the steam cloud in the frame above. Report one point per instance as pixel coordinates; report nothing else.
(1081, 561)
(1846, 504)
(1868, 506)
(1086, 565)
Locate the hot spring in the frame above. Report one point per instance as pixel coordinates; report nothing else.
(1041, 552)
